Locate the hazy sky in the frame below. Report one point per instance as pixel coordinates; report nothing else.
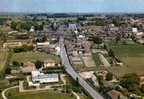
(71, 5)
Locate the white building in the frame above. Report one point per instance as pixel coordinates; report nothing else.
(49, 63)
(44, 78)
(90, 75)
(134, 30)
(12, 44)
(32, 29)
(57, 50)
(43, 45)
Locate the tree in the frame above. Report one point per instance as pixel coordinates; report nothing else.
(28, 47)
(99, 22)
(109, 76)
(111, 53)
(8, 70)
(97, 40)
(77, 82)
(131, 82)
(39, 27)
(67, 88)
(19, 49)
(81, 18)
(118, 38)
(3, 20)
(142, 88)
(13, 25)
(4, 37)
(20, 25)
(16, 63)
(116, 21)
(105, 47)
(38, 64)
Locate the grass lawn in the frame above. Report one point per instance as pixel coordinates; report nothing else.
(4, 84)
(129, 50)
(96, 59)
(32, 56)
(132, 55)
(14, 94)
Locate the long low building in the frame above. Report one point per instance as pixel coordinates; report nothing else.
(12, 44)
(44, 78)
(42, 45)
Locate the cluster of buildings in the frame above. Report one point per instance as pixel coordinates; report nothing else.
(139, 35)
(41, 78)
(38, 77)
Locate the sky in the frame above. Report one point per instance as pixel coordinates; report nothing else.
(64, 6)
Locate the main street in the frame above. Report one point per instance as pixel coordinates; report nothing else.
(69, 69)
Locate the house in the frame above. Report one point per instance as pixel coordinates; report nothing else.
(32, 29)
(42, 45)
(114, 29)
(57, 50)
(44, 78)
(90, 75)
(63, 27)
(12, 44)
(28, 68)
(49, 63)
(102, 73)
(86, 75)
(134, 30)
(72, 26)
(141, 80)
(114, 94)
(39, 36)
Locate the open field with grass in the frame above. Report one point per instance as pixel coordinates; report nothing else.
(14, 94)
(96, 59)
(132, 56)
(32, 56)
(128, 50)
(3, 58)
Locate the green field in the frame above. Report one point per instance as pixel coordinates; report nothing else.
(14, 94)
(32, 56)
(3, 58)
(96, 59)
(132, 55)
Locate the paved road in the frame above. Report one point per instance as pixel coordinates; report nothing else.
(5, 90)
(76, 95)
(69, 69)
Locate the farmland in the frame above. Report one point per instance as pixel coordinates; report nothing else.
(132, 56)
(14, 94)
(3, 58)
(32, 56)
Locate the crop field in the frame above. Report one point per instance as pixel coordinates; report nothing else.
(32, 56)
(3, 58)
(132, 56)
(14, 94)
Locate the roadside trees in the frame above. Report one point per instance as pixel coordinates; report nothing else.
(97, 40)
(38, 64)
(131, 82)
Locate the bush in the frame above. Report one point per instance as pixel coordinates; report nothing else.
(16, 63)
(38, 64)
(24, 48)
(131, 82)
(19, 49)
(8, 71)
(109, 76)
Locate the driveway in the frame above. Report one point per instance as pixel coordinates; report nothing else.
(5, 90)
